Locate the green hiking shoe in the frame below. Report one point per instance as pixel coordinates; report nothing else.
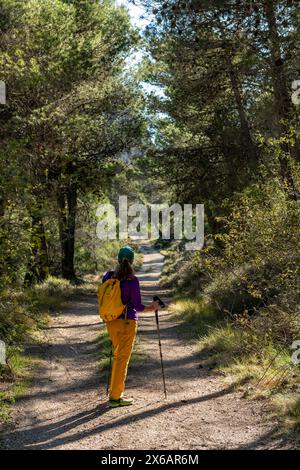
(121, 402)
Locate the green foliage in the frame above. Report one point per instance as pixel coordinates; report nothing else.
(259, 261)
(24, 312)
(23, 316)
(295, 408)
(240, 295)
(71, 112)
(93, 255)
(19, 366)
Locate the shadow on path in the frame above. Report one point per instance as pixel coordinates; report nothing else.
(53, 435)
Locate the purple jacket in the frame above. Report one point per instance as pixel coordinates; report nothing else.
(131, 295)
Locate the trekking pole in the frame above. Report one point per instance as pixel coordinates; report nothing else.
(159, 344)
(109, 371)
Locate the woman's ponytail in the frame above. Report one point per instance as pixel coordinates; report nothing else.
(124, 270)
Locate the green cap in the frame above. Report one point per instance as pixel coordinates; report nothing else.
(126, 252)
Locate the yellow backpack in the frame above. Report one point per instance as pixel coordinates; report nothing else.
(109, 300)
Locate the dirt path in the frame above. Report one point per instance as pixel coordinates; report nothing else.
(66, 408)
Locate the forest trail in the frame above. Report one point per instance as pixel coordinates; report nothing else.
(66, 406)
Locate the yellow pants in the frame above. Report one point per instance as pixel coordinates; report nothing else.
(122, 333)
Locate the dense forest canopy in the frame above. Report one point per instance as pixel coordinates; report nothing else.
(224, 118)
(227, 69)
(70, 112)
(227, 135)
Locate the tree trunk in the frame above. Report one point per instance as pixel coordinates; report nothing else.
(38, 265)
(67, 205)
(247, 141)
(215, 227)
(282, 99)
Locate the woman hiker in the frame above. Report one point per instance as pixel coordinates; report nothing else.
(122, 331)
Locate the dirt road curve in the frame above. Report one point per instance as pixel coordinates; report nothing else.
(66, 407)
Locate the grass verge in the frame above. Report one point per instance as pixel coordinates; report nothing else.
(251, 361)
(23, 316)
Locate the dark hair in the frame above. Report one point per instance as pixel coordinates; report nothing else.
(124, 270)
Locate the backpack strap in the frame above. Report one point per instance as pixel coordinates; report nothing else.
(124, 313)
